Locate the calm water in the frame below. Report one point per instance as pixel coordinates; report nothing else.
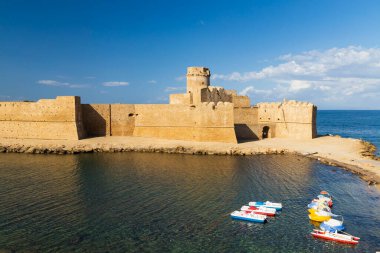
(355, 124)
(136, 202)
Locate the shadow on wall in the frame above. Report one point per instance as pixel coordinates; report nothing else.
(244, 133)
(95, 124)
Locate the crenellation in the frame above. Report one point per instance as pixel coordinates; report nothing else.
(203, 113)
(198, 71)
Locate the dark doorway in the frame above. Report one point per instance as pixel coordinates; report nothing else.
(265, 132)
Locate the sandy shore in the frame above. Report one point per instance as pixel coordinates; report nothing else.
(351, 154)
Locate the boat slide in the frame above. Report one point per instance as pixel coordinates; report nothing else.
(337, 237)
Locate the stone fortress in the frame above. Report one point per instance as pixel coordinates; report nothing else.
(204, 113)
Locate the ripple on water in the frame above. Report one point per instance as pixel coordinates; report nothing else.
(131, 202)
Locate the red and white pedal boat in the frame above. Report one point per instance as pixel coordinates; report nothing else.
(348, 239)
(259, 210)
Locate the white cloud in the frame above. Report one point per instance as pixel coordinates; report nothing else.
(324, 87)
(297, 85)
(152, 81)
(336, 74)
(247, 90)
(5, 97)
(352, 61)
(251, 90)
(169, 89)
(62, 84)
(371, 95)
(51, 83)
(78, 86)
(180, 78)
(115, 84)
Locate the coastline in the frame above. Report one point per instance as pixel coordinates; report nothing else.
(353, 155)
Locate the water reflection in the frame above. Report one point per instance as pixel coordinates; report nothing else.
(163, 202)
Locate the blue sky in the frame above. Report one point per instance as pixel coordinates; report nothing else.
(326, 52)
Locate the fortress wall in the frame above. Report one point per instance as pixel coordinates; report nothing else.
(293, 119)
(183, 99)
(203, 113)
(122, 119)
(97, 119)
(109, 119)
(217, 115)
(203, 122)
(246, 115)
(58, 118)
(53, 110)
(241, 101)
(40, 130)
(294, 130)
(246, 123)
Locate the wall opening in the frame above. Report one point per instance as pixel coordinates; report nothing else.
(265, 132)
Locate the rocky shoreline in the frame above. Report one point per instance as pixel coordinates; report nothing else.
(354, 155)
(62, 149)
(369, 150)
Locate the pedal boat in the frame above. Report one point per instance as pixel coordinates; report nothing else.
(249, 216)
(325, 210)
(259, 210)
(337, 237)
(319, 204)
(325, 196)
(319, 216)
(333, 225)
(268, 204)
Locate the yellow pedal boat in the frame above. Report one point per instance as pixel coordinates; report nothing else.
(319, 216)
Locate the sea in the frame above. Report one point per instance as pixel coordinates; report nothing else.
(359, 124)
(154, 202)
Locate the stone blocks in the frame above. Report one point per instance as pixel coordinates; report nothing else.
(59, 118)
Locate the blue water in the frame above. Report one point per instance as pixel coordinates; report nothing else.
(354, 124)
(141, 202)
(149, 202)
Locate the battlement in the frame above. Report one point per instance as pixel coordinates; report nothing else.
(211, 88)
(199, 90)
(217, 105)
(198, 71)
(285, 103)
(203, 113)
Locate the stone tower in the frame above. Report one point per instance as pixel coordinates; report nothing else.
(198, 78)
